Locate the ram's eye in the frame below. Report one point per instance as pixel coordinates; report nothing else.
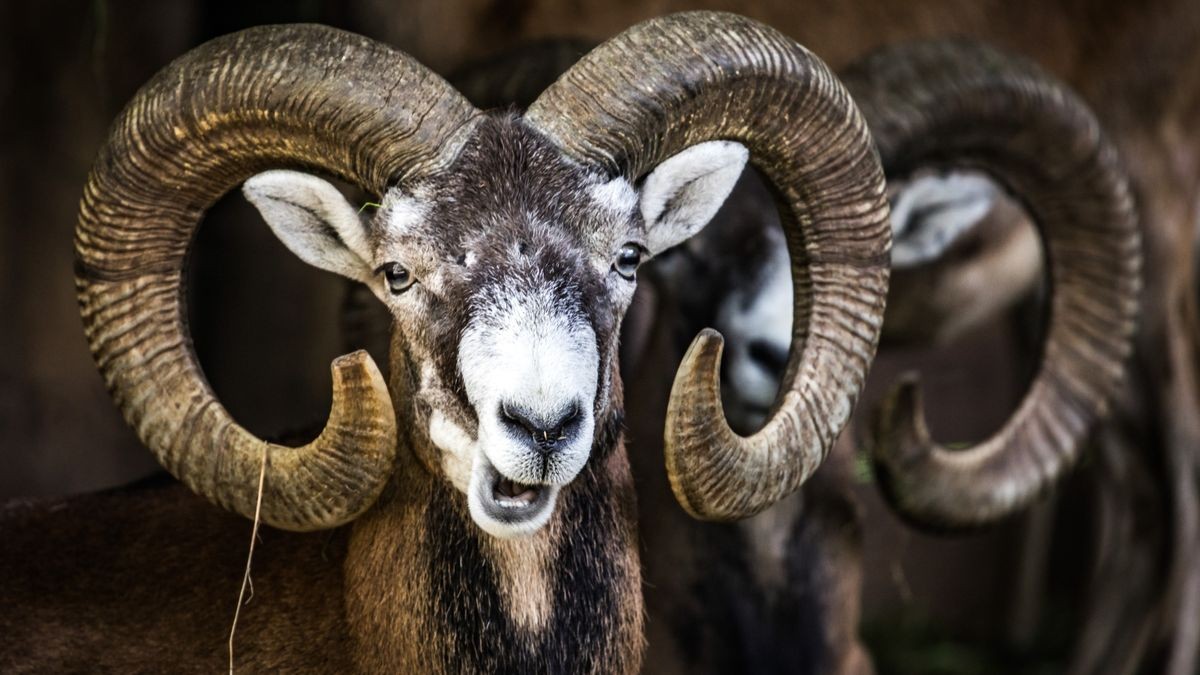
(628, 259)
(398, 277)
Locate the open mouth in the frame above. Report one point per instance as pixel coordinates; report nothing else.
(504, 507)
(513, 495)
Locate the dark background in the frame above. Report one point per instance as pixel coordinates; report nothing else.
(265, 325)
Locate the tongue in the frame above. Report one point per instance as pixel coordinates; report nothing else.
(514, 490)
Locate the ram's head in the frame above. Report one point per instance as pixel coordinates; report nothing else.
(505, 248)
(956, 124)
(506, 277)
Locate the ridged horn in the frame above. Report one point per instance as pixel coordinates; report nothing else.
(669, 83)
(300, 96)
(954, 104)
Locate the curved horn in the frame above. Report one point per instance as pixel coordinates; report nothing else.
(300, 96)
(957, 104)
(672, 82)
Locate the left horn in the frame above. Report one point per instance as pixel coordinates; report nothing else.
(669, 83)
(297, 96)
(955, 104)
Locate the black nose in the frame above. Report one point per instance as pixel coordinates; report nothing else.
(545, 433)
(770, 357)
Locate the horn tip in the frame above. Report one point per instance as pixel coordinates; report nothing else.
(355, 366)
(358, 382)
(900, 432)
(708, 345)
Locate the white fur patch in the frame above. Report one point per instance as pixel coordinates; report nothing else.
(685, 191)
(313, 220)
(761, 314)
(932, 212)
(616, 196)
(458, 449)
(404, 213)
(524, 350)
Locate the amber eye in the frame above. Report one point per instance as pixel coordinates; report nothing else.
(628, 259)
(398, 277)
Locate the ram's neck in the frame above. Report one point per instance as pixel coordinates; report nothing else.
(428, 591)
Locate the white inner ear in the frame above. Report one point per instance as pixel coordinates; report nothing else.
(685, 191)
(313, 220)
(932, 212)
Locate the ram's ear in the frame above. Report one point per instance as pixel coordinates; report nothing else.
(930, 213)
(685, 191)
(313, 219)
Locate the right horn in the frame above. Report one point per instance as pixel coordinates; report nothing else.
(672, 82)
(953, 104)
(297, 96)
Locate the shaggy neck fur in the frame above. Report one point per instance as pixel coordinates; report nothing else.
(428, 591)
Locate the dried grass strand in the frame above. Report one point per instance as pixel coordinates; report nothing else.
(262, 475)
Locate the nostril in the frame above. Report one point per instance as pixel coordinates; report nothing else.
(517, 419)
(546, 432)
(768, 356)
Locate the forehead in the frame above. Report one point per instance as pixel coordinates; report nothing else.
(510, 183)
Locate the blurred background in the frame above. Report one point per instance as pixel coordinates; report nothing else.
(265, 325)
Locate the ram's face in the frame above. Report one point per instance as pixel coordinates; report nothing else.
(506, 278)
(518, 269)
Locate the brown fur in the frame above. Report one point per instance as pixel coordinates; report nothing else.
(160, 586)
(163, 568)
